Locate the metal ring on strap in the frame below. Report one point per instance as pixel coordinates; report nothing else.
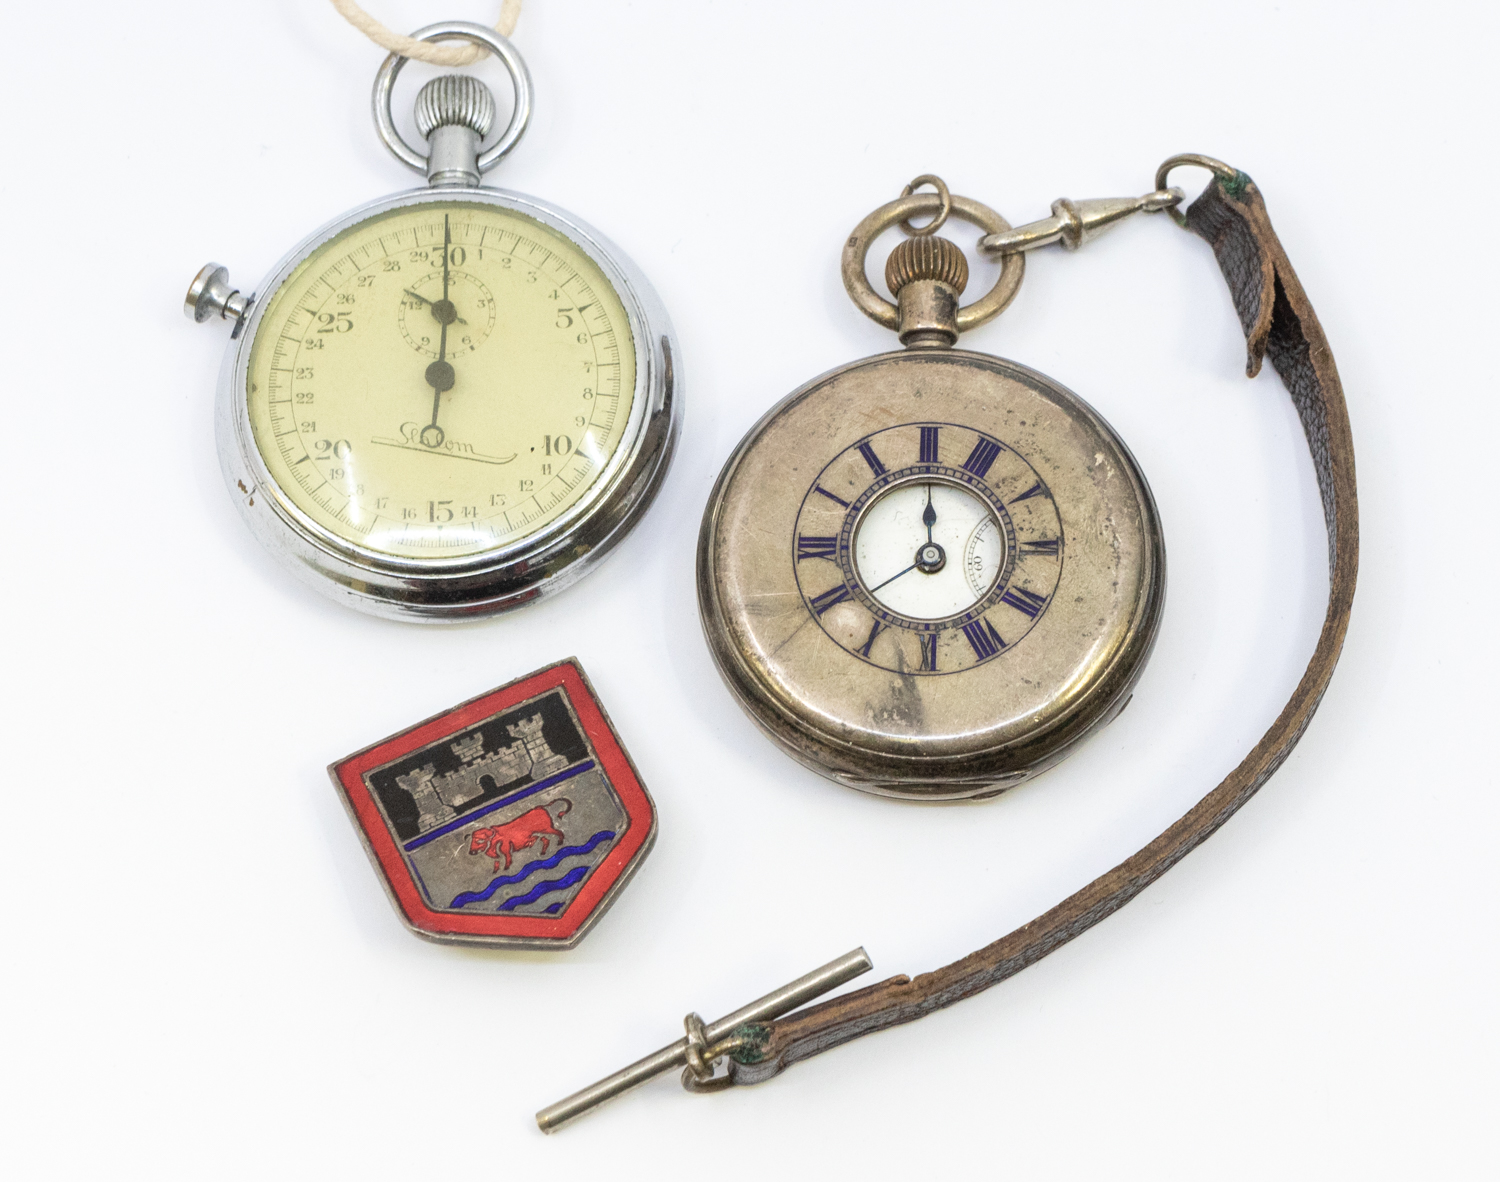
(1217, 167)
(520, 77)
(885, 313)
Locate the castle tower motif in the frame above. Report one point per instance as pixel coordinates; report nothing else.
(543, 761)
(438, 798)
(470, 748)
(430, 808)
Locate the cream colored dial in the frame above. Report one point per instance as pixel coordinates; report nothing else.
(441, 380)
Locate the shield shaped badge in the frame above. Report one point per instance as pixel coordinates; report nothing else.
(512, 820)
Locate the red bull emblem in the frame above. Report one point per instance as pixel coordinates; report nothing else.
(500, 841)
(513, 819)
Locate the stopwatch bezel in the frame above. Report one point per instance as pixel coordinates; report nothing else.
(507, 575)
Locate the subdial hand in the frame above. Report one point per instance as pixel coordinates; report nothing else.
(929, 514)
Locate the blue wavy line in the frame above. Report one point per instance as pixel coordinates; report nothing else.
(526, 871)
(574, 875)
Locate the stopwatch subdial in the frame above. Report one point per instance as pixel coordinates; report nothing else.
(468, 313)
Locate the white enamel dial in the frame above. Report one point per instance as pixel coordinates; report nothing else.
(928, 549)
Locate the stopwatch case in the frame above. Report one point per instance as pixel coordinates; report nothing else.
(932, 735)
(447, 590)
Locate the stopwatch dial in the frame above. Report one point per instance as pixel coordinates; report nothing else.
(441, 379)
(928, 549)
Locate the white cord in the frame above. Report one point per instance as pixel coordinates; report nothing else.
(426, 51)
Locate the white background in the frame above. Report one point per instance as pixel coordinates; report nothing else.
(202, 977)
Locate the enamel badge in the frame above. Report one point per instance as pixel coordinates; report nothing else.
(512, 820)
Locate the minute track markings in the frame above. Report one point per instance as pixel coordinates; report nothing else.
(591, 452)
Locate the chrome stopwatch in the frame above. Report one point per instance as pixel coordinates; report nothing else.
(452, 400)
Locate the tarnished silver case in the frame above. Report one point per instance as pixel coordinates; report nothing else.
(917, 733)
(440, 590)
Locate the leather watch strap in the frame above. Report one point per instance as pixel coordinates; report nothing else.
(1279, 322)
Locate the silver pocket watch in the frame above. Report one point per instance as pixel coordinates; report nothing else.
(452, 400)
(931, 573)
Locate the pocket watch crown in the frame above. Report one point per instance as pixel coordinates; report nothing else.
(455, 99)
(929, 257)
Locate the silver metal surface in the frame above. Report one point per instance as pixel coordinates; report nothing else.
(454, 113)
(943, 693)
(546, 562)
(931, 709)
(943, 213)
(455, 99)
(385, 82)
(210, 296)
(927, 274)
(1075, 222)
(772, 1005)
(1221, 170)
(882, 310)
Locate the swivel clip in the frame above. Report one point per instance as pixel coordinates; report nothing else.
(1075, 222)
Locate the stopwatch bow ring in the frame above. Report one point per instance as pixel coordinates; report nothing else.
(454, 112)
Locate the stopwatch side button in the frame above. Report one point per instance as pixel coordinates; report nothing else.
(210, 296)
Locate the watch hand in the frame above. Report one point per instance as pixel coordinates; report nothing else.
(894, 577)
(447, 250)
(929, 514)
(434, 304)
(440, 377)
(440, 374)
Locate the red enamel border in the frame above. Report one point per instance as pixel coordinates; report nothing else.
(349, 774)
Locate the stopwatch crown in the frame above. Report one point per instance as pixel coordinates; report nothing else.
(455, 100)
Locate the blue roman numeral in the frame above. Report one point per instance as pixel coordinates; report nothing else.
(929, 446)
(872, 459)
(928, 641)
(875, 630)
(982, 457)
(1027, 602)
(814, 547)
(821, 603)
(1042, 546)
(830, 496)
(1035, 490)
(983, 638)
